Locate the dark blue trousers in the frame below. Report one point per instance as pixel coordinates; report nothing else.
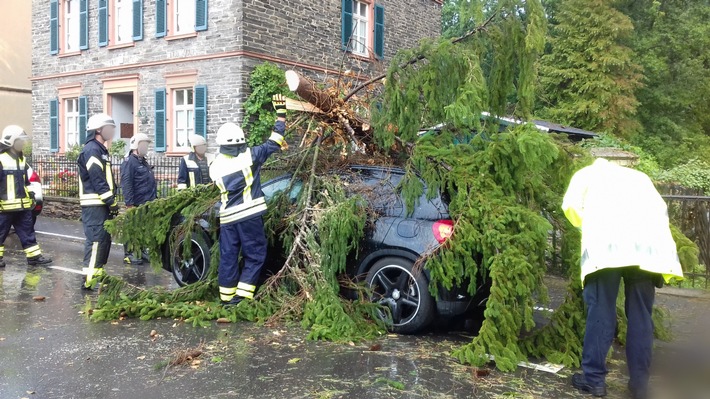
(600, 292)
(24, 228)
(248, 238)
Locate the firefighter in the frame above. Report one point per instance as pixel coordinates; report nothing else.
(97, 195)
(137, 184)
(16, 201)
(195, 166)
(236, 172)
(625, 235)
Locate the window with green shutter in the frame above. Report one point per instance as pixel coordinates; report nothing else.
(201, 110)
(379, 31)
(347, 24)
(103, 23)
(54, 125)
(137, 20)
(200, 15)
(160, 125)
(53, 27)
(83, 24)
(161, 28)
(83, 116)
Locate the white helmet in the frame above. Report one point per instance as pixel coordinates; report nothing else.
(138, 138)
(98, 121)
(11, 134)
(196, 139)
(230, 134)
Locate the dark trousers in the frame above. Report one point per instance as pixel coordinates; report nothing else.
(98, 240)
(25, 229)
(248, 238)
(600, 292)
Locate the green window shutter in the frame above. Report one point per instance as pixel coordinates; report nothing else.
(347, 24)
(161, 21)
(137, 20)
(83, 116)
(53, 27)
(200, 15)
(103, 23)
(201, 110)
(83, 24)
(54, 125)
(160, 126)
(379, 31)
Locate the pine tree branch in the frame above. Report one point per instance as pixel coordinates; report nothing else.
(420, 57)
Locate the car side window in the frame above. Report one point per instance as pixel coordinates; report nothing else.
(273, 187)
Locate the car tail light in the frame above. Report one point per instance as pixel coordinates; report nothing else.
(443, 229)
(35, 178)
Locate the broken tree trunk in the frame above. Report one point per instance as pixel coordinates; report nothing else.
(308, 91)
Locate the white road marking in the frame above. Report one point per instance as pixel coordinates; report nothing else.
(66, 269)
(546, 367)
(46, 233)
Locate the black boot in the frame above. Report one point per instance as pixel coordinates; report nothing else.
(38, 260)
(129, 259)
(233, 302)
(579, 382)
(2, 262)
(638, 393)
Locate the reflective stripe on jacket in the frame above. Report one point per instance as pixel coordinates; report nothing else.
(624, 220)
(189, 174)
(238, 178)
(14, 195)
(96, 184)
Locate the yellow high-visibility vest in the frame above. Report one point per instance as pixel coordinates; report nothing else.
(623, 219)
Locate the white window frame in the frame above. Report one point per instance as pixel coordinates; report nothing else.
(184, 16)
(123, 21)
(71, 122)
(183, 118)
(71, 23)
(361, 28)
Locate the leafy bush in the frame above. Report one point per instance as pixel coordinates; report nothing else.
(266, 80)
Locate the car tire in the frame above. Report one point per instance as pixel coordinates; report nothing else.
(189, 271)
(403, 292)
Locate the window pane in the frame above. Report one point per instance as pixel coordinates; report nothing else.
(180, 119)
(190, 119)
(189, 97)
(179, 97)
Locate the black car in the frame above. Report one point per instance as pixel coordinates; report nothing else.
(385, 260)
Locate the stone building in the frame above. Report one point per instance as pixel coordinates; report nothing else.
(171, 68)
(15, 64)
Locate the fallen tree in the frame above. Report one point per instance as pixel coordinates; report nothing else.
(505, 191)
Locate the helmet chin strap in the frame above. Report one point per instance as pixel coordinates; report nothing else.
(233, 150)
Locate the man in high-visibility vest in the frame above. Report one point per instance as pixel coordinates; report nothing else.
(97, 195)
(236, 171)
(195, 166)
(625, 234)
(16, 201)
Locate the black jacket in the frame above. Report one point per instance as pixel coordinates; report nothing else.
(96, 184)
(137, 181)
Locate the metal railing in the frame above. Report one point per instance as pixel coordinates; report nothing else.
(689, 210)
(60, 175)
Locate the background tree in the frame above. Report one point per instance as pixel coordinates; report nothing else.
(590, 75)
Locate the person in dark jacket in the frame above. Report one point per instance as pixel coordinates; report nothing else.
(138, 184)
(97, 195)
(16, 201)
(195, 166)
(236, 172)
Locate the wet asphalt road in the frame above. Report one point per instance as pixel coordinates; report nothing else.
(48, 349)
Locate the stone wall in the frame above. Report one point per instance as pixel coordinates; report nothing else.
(61, 208)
